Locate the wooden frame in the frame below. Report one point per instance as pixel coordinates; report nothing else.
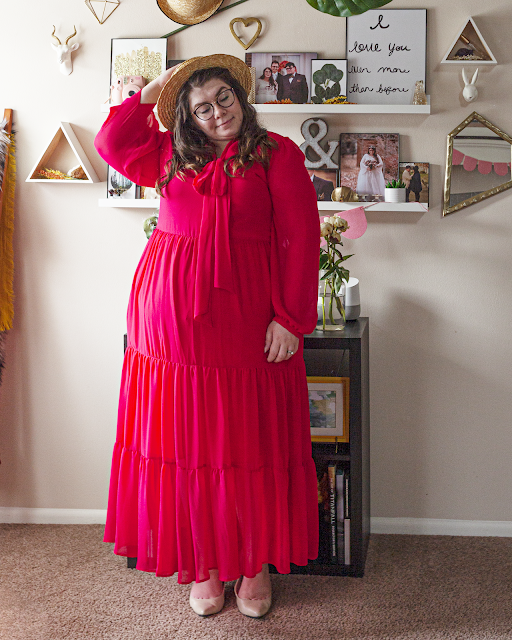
(341, 386)
(470, 32)
(65, 130)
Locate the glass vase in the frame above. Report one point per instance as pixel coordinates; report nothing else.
(331, 310)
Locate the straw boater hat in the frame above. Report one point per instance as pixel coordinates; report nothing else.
(189, 11)
(166, 104)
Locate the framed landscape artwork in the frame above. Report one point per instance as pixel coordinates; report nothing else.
(328, 408)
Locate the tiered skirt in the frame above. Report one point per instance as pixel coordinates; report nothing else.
(212, 464)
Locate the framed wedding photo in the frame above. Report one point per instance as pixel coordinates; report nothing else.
(282, 76)
(329, 80)
(328, 408)
(368, 161)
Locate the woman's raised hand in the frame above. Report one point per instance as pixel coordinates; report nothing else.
(280, 343)
(150, 93)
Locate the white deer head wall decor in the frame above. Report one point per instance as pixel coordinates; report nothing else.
(64, 52)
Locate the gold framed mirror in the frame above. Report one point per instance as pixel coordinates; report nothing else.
(478, 163)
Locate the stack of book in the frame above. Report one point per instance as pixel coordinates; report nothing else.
(334, 513)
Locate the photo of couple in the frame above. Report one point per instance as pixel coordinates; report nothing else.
(281, 76)
(368, 162)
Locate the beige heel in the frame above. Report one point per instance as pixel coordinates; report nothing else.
(251, 608)
(207, 606)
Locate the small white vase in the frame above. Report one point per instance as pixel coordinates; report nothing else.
(394, 195)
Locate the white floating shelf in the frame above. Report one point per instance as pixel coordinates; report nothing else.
(378, 206)
(120, 203)
(322, 109)
(136, 203)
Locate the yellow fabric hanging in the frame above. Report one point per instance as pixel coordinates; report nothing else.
(6, 242)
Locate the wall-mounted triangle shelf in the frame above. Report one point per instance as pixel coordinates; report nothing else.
(469, 47)
(63, 153)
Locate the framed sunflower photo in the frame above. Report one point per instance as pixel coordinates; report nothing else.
(329, 408)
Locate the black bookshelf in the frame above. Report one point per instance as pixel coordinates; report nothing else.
(343, 353)
(346, 353)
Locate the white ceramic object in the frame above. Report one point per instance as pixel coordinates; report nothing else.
(64, 52)
(470, 92)
(394, 195)
(352, 299)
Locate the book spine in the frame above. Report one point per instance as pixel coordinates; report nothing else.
(340, 513)
(333, 547)
(346, 523)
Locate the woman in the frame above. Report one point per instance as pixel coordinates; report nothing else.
(212, 473)
(415, 185)
(370, 180)
(266, 87)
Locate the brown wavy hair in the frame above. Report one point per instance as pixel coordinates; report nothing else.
(192, 149)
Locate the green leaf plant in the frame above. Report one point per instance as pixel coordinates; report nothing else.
(345, 8)
(395, 184)
(327, 83)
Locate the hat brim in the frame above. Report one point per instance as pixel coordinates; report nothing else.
(166, 105)
(194, 19)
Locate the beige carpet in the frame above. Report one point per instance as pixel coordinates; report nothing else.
(61, 582)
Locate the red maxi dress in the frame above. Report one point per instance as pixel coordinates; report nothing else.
(212, 464)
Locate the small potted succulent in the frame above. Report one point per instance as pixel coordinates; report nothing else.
(394, 191)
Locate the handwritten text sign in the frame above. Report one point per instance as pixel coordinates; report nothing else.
(386, 52)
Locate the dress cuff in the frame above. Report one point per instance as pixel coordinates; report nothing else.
(286, 324)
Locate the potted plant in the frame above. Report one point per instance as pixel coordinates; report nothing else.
(333, 275)
(394, 191)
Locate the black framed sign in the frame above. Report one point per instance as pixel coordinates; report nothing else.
(386, 55)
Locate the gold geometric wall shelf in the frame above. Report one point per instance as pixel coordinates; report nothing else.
(64, 152)
(102, 9)
(472, 41)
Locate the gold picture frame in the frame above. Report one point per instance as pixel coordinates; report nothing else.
(329, 408)
(447, 209)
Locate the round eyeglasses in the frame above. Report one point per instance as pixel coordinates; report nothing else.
(225, 99)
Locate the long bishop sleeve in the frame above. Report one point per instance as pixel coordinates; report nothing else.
(130, 141)
(295, 250)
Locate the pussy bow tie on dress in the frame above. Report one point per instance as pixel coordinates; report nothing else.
(212, 254)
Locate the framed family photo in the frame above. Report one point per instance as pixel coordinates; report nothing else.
(368, 161)
(328, 408)
(281, 76)
(324, 181)
(415, 176)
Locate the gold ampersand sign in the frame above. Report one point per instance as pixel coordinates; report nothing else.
(246, 22)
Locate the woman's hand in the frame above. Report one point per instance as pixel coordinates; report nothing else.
(280, 343)
(150, 93)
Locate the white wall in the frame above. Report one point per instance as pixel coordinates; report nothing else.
(437, 290)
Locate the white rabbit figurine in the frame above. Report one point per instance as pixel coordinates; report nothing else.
(470, 92)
